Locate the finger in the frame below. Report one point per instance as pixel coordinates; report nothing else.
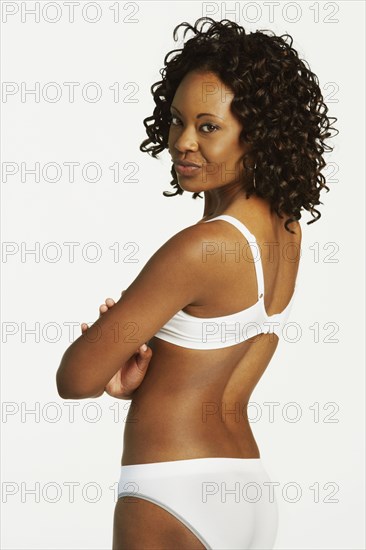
(142, 349)
(143, 359)
(109, 302)
(103, 308)
(84, 327)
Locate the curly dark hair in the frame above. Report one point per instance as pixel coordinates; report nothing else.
(277, 100)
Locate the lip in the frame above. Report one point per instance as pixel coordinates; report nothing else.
(187, 163)
(186, 170)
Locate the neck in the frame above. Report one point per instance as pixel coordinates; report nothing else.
(233, 203)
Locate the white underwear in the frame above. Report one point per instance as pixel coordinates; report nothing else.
(227, 503)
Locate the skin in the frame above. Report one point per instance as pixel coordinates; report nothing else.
(171, 415)
(131, 374)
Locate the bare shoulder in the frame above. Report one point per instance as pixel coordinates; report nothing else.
(190, 244)
(170, 280)
(174, 276)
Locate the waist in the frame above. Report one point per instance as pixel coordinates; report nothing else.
(163, 438)
(195, 415)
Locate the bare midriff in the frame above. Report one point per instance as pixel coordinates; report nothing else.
(193, 403)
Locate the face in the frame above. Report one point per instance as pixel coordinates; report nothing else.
(209, 140)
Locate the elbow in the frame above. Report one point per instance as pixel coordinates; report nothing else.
(67, 391)
(62, 384)
(66, 386)
(69, 396)
(72, 382)
(64, 391)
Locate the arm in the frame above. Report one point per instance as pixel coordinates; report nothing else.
(131, 374)
(163, 287)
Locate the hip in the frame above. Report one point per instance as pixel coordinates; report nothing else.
(224, 501)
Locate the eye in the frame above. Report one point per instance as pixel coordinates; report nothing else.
(211, 125)
(202, 125)
(172, 117)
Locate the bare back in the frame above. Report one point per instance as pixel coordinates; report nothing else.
(192, 403)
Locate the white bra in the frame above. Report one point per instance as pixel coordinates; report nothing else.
(193, 332)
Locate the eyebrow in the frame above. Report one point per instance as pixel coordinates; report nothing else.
(198, 116)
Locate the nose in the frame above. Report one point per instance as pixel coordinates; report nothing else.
(185, 141)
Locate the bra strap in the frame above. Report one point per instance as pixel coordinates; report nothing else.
(253, 246)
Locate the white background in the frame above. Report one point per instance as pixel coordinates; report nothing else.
(46, 447)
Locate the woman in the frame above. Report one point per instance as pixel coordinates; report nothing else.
(213, 300)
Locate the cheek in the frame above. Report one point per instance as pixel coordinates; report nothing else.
(221, 151)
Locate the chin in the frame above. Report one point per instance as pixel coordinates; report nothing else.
(188, 184)
(192, 188)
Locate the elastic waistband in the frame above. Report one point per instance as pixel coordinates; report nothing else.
(205, 465)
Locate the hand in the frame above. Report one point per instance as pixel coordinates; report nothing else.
(132, 373)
